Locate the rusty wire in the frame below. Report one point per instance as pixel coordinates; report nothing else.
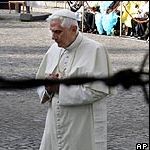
(127, 78)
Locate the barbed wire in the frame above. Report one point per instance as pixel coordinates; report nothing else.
(127, 78)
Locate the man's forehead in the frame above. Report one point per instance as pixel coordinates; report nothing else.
(56, 26)
(55, 23)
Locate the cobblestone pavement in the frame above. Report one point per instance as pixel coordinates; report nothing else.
(22, 117)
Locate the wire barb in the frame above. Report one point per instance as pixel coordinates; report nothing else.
(126, 78)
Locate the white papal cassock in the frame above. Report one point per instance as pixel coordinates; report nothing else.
(77, 117)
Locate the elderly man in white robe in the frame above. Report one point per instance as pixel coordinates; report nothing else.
(77, 115)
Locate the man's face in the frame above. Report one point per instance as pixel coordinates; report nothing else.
(62, 35)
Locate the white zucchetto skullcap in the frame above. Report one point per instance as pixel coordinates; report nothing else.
(63, 13)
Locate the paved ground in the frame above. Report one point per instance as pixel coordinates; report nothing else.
(22, 117)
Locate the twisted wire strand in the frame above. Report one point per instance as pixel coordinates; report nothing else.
(127, 78)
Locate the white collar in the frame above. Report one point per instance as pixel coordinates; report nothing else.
(76, 42)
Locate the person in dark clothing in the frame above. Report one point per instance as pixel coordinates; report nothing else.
(139, 23)
(146, 33)
(90, 25)
(138, 27)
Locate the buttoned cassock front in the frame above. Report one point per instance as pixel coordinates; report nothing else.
(77, 117)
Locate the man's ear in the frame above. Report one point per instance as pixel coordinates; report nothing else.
(73, 28)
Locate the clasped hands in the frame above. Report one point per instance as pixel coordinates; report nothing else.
(52, 88)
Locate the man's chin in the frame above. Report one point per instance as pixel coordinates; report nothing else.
(60, 45)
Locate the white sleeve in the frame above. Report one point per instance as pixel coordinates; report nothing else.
(41, 91)
(78, 95)
(43, 94)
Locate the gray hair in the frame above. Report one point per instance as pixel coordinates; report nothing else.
(65, 21)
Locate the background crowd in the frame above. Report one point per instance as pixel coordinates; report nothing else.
(103, 17)
(129, 18)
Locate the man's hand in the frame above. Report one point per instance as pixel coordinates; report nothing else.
(52, 88)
